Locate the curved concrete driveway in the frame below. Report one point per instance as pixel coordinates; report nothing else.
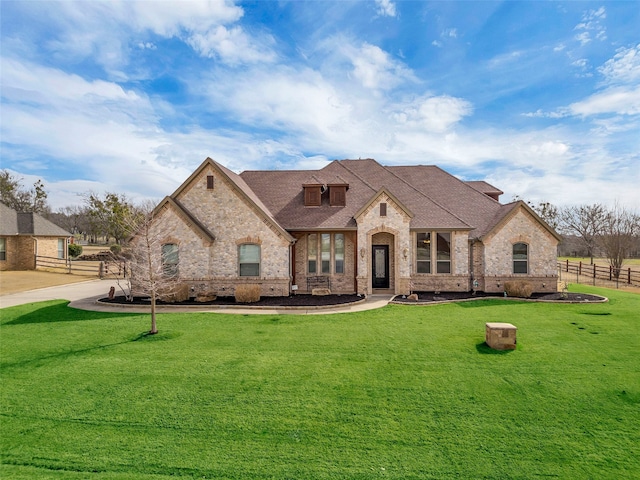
(83, 296)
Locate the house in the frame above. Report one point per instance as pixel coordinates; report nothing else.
(23, 236)
(354, 226)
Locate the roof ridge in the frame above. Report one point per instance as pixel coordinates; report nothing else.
(339, 162)
(388, 169)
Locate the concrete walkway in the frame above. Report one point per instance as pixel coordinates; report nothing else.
(83, 296)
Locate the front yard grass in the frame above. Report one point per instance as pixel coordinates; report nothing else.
(404, 392)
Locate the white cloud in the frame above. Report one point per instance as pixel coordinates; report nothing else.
(168, 18)
(435, 114)
(232, 45)
(624, 67)
(375, 69)
(386, 8)
(591, 23)
(620, 100)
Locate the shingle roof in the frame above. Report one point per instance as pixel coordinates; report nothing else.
(15, 223)
(437, 199)
(484, 187)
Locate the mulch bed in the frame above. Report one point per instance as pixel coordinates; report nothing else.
(304, 300)
(292, 301)
(431, 297)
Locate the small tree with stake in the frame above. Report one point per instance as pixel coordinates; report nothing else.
(152, 267)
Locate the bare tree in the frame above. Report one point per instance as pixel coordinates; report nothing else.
(152, 263)
(621, 228)
(585, 221)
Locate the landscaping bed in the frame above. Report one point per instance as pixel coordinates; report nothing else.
(266, 302)
(432, 297)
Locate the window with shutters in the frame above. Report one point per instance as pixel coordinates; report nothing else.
(210, 182)
(383, 209)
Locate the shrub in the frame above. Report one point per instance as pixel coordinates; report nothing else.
(115, 249)
(518, 288)
(75, 250)
(247, 293)
(175, 293)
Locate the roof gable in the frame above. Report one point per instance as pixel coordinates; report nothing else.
(375, 198)
(241, 188)
(509, 211)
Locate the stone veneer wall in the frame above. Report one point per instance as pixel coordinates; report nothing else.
(340, 282)
(498, 256)
(396, 223)
(233, 221)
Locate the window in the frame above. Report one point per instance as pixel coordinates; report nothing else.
(312, 253)
(312, 196)
(520, 258)
(249, 260)
(61, 248)
(337, 195)
(170, 259)
(383, 209)
(210, 182)
(444, 253)
(328, 249)
(3, 248)
(424, 252)
(325, 252)
(338, 252)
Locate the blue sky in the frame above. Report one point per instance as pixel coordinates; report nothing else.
(541, 99)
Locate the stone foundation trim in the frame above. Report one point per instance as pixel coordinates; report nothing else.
(540, 284)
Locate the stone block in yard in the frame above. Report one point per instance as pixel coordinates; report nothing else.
(500, 336)
(320, 291)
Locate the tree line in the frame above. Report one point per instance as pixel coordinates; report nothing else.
(614, 231)
(96, 216)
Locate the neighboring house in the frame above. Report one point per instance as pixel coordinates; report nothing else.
(354, 226)
(23, 236)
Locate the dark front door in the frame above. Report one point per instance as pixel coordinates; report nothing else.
(380, 267)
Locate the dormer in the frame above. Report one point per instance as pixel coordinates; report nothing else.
(338, 192)
(313, 192)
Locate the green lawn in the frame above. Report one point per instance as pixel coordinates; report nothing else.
(404, 392)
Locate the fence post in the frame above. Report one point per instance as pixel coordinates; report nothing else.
(610, 272)
(580, 267)
(567, 265)
(629, 275)
(101, 270)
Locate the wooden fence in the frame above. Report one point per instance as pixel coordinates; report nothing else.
(593, 273)
(88, 268)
